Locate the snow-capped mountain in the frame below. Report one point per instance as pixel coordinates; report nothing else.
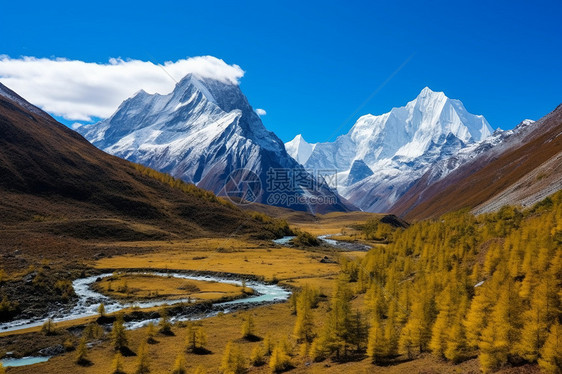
(201, 132)
(299, 149)
(382, 156)
(521, 167)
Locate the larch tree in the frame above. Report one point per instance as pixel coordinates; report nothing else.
(304, 325)
(117, 364)
(179, 364)
(280, 359)
(358, 330)
(233, 361)
(500, 337)
(164, 325)
(151, 333)
(416, 334)
(82, 353)
(336, 331)
(257, 358)
(196, 339)
(249, 328)
(101, 310)
(118, 334)
(143, 360)
(536, 322)
(551, 352)
(456, 338)
(377, 344)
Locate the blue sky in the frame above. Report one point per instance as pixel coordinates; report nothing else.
(313, 66)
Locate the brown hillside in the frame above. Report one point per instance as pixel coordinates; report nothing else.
(503, 175)
(54, 184)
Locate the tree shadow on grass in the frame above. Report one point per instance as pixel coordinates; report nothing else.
(85, 362)
(127, 352)
(252, 338)
(201, 351)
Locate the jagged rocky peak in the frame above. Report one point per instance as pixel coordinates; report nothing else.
(397, 147)
(201, 132)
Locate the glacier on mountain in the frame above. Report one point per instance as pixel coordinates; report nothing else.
(382, 156)
(201, 132)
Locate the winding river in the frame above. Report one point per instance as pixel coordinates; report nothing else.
(89, 300)
(326, 239)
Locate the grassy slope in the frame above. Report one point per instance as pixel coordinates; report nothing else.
(486, 177)
(59, 193)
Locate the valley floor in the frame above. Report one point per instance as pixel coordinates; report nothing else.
(291, 267)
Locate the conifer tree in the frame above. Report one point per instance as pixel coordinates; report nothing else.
(416, 333)
(476, 317)
(304, 325)
(143, 361)
(164, 324)
(118, 334)
(150, 333)
(268, 345)
(82, 353)
(317, 352)
(358, 331)
(248, 328)
(502, 333)
(391, 335)
(377, 346)
(233, 361)
(117, 364)
(257, 358)
(551, 353)
(196, 339)
(335, 335)
(438, 340)
(280, 359)
(49, 327)
(179, 364)
(93, 331)
(536, 322)
(101, 310)
(304, 349)
(456, 339)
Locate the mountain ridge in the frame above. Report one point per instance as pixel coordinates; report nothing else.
(397, 147)
(54, 182)
(522, 167)
(202, 132)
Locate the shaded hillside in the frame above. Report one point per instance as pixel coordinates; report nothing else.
(521, 170)
(54, 181)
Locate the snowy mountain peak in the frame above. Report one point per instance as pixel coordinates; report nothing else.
(299, 149)
(428, 92)
(201, 132)
(382, 154)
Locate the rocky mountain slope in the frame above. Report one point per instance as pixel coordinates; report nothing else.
(518, 167)
(204, 131)
(54, 182)
(382, 156)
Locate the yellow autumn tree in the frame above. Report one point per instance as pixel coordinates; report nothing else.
(551, 353)
(233, 361)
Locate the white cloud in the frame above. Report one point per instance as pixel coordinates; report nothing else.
(76, 125)
(261, 112)
(78, 90)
